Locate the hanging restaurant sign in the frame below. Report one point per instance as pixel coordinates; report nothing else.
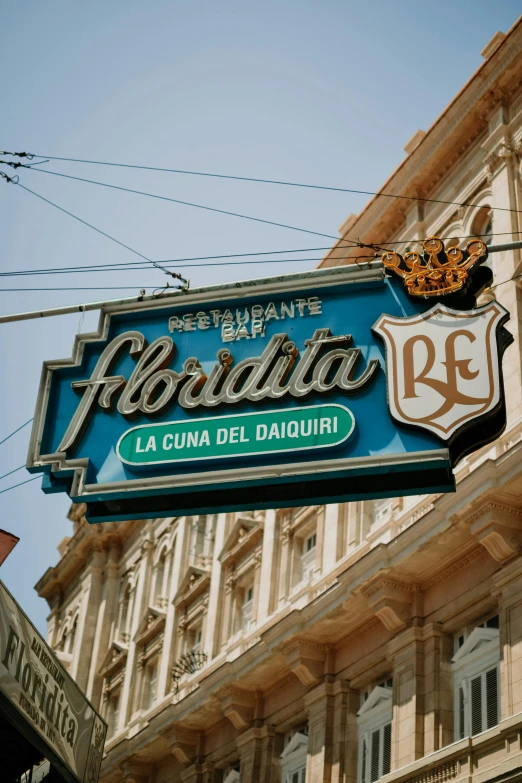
(332, 385)
(41, 700)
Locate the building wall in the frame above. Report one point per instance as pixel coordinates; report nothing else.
(294, 636)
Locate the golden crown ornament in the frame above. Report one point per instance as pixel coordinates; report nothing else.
(437, 272)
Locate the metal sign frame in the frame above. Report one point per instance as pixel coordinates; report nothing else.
(278, 484)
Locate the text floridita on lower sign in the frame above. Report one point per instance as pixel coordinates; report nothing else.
(246, 322)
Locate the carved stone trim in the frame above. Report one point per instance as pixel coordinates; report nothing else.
(306, 660)
(238, 706)
(135, 771)
(183, 744)
(390, 598)
(498, 527)
(456, 566)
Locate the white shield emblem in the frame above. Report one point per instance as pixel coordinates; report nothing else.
(442, 366)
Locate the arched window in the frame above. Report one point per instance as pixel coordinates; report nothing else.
(482, 225)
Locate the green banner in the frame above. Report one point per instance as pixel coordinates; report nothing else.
(239, 435)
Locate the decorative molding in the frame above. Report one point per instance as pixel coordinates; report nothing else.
(306, 660)
(183, 743)
(195, 582)
(390, 598)
(498, 527)
(238, 706)
(456, 566)
(135, 771)
(244, 536)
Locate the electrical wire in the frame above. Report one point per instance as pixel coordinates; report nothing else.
(99, 231)
(85, 223)
(82, 288)
(11, 471)
(131, 266)
(86, 270)
(17, 430)
(354, 243)
(259, 180)
(14, 486)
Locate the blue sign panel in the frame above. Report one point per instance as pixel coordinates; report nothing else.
(326, 386)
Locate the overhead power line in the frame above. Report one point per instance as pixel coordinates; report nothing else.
(99, 231)
(256, 179)
(132, 266)
(11, 472)
(17, 430)
(198, 206)
(83, 288)
(14, 486)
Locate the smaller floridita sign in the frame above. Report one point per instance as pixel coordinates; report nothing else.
(326, 386)
(38, 695)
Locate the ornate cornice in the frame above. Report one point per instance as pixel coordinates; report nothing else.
(454, 567)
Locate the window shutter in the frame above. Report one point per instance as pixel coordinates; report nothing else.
(375, 753)
(462, 714)
(476, 705)
(492, 697)
(386, 749)
(363, 763)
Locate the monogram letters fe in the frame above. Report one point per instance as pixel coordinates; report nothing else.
(444, 368)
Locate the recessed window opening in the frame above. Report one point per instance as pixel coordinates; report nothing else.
(477, 679)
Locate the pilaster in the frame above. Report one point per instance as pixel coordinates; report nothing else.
(405, 650)
(85, 635)
(164, 667)
(507, 588)
(136, 614)
(319, 703)
(268, 578)
(105, 619)
(438, 688)
(332, 536)
(250, 746)
(214, 602)
(344, 739)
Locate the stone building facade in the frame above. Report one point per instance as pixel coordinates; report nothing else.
(344, 643)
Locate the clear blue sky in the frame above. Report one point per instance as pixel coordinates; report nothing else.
(326, 93)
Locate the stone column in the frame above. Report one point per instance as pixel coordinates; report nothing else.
(358, 523)
(502, 177)
(136, 614)
(286, 562)
(332, 536)
(85, 634)
(268, 578)
(230, 587)
(258, 585)
(164, 667)
(270, 751)
(250, 746)
(508, 590)
(438, 688)
(106, 615)
(214, 603)
(319, 703)
(344, 738)
(406, 652)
